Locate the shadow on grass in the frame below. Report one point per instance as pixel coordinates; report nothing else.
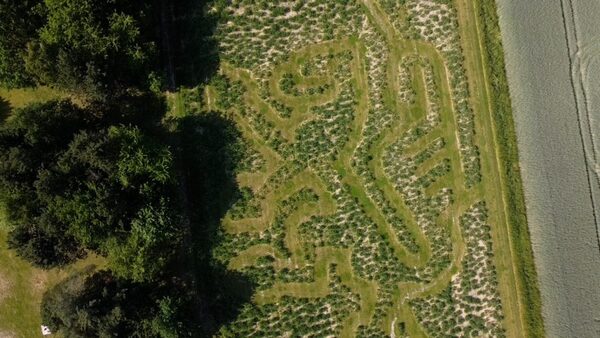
(189, 49)
(211, 150)
(5, 109)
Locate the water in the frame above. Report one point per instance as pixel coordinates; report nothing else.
(554, 87)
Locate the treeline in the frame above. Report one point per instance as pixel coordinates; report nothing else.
(113, 180)
(75, 178)
(509, 157)
(111, 175)
(102, 48)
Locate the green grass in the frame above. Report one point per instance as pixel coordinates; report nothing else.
(21, 97)
(19, 304)
(508, 151)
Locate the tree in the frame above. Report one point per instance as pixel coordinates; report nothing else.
(29, 143)
(19, 20)
(74, 181)
(145, 252)
(100, 49)
(94, 47)
(106, 179)
(97, 306)
(5, 109)
(103, 305)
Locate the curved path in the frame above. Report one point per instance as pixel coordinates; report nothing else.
(432, 113)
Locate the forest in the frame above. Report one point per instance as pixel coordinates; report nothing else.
(106, 172)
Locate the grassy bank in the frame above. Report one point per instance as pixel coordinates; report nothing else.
(509, 156)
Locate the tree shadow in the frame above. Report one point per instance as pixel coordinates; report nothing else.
(189, 49)
(5, 109)
(211, 150)
(144, 109)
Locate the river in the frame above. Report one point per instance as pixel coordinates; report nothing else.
(553, 66)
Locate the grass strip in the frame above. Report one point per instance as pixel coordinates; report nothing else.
(509, 156)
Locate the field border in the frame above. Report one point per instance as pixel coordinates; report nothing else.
(506, 139)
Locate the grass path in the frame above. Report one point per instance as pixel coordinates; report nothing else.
(411, 116)
(325, 257)
(449, 130)
(506, 259)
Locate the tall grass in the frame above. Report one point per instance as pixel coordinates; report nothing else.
(509, 157)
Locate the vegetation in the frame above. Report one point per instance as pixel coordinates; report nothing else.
(4, 109)
(505, 129)
(65, 169)
(19, 21)
(331, 165)
(193, 49)
(110, 175)
(383, 194)
(103, 180)
(103, 305)
(93, 47)
(101, 49)
(23, 287)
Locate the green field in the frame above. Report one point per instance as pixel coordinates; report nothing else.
(375, 200)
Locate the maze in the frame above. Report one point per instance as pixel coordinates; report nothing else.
(362, 212)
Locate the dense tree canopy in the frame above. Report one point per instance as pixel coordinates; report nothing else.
(102, 49)
(110, 175)
(73, 181)
(94, 47)
(107, 179)
(19, 21)
(103, 305)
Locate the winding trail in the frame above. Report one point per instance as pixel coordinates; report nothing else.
(433, 114)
